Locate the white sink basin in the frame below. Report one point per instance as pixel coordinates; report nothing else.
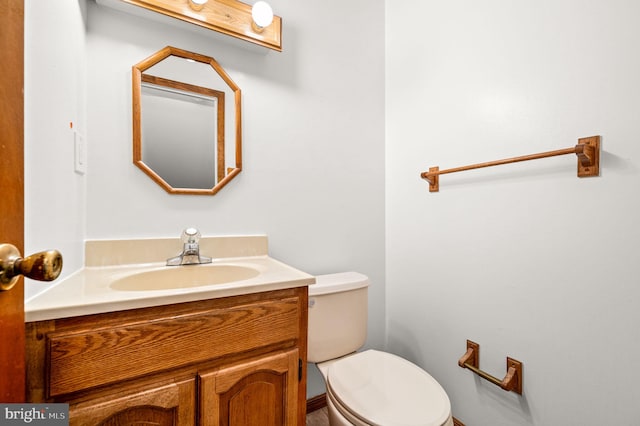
(186, 276)
(130, 274)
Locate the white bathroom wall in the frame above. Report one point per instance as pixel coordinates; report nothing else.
(313, 159)
(527, 260)
(313, 138)
(55, 195)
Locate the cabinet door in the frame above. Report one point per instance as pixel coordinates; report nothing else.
(260, 392)
(165, 405)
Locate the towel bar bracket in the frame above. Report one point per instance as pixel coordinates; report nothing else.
(588, 152)
(512, 380)
(434, 179)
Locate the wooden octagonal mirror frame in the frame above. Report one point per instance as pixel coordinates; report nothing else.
(178, 162)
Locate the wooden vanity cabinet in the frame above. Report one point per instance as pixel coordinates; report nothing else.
(256, 392)
(231, 361)
(171, 403)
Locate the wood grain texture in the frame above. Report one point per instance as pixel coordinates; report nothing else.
(317, 402)
(262, 392)
(86, 359)
(166, 404)
(138, 78)
(587, 150)
(230, 17)
(457, 422)
(12, 337)
(108, 364)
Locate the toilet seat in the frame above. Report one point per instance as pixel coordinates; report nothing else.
(383, 389)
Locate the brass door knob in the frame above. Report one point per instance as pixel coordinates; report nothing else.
(43, 266)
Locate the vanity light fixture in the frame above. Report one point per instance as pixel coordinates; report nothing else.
(252, 22)
(197, 5)
(262, 15)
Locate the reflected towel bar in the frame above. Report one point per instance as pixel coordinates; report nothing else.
(512, 380)
(587, 151)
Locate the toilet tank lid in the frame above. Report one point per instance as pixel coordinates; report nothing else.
(336, 283)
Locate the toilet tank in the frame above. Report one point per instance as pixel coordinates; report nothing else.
(337, 315)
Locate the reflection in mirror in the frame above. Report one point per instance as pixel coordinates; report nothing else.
(187, 150)
(186, 134)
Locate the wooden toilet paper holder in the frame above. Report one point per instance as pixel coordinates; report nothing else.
(512, 380)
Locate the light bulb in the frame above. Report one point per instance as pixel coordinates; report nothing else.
(262, 14)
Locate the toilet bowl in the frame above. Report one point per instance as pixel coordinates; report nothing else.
(369, 387)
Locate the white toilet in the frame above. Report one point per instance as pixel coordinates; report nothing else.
(369, 387)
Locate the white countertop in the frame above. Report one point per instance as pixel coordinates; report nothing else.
(88, 290)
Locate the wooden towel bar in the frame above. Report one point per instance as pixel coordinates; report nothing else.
(587, 150)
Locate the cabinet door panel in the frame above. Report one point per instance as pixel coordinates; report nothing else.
(166, 405)
(262, 391)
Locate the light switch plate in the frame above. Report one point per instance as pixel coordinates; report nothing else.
(79, 154)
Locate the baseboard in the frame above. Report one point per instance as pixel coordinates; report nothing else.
(320, 401)
(316, 402)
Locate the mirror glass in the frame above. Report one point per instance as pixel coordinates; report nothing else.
(186, 122)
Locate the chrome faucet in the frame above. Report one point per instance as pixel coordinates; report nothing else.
(190, 250)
